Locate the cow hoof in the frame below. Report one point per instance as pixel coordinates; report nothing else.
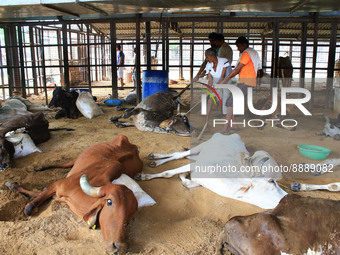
(295, 186)
(153, 164)
(115, 118)
(336, 137)
(151, 156)
(29, 208)
(316, 172)
(12, 185)
(138, 177)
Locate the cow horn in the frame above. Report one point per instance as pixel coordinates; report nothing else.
(87, 188)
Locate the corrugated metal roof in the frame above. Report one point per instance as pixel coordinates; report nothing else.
(42, 9)
(287, 29)
(175, 11)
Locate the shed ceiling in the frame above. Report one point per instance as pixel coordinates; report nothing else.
(176, 11)
(42, 9)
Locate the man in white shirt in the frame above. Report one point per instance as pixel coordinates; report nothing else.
(217, 68)
(223, 51)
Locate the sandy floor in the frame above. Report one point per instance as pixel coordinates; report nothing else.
(184, 221)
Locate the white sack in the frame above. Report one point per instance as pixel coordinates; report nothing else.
(23, 143)
(142, 197)
(87, 106)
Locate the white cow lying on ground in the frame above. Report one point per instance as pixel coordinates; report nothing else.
(32, 107)
(256, 186)
(19, 106)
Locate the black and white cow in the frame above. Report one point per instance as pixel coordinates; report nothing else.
(67, 102)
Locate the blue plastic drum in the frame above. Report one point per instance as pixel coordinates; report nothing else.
(154, 81)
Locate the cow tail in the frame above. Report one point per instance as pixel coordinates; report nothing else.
(58, 129)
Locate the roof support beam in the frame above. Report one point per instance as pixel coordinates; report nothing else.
(298, 5)
(50, 6)
(91, 7)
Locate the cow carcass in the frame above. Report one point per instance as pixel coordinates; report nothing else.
(88, 191)
(34, 125)
(156, 114)
(67, 102)
(331, 128)
(285, 71)
(223, 165)
(296, 225)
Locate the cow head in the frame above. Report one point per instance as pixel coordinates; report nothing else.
(179, 124)
(113, 210)
(6, 153)
(57, 96)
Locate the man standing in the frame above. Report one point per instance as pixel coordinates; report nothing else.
(134, 70)
(120, 62)
(222, 48)
(247, 66)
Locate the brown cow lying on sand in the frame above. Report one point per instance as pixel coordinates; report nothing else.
(296, 225)
(109, 206)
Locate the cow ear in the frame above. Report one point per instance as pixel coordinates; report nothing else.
(91, 217)
(122, 156)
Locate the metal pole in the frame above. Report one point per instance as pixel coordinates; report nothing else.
(43, 64)
(22, 63)
(275, 54)
(88, 55)
(331, 62)
(315, 52)
(167, 45)
(303, 55)
(192, 58)
(138, 83)
(2, 76)
(181, 56)
(148, 44)
(163, 45)
(34, 71)
(113, 59)
(65, 52)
